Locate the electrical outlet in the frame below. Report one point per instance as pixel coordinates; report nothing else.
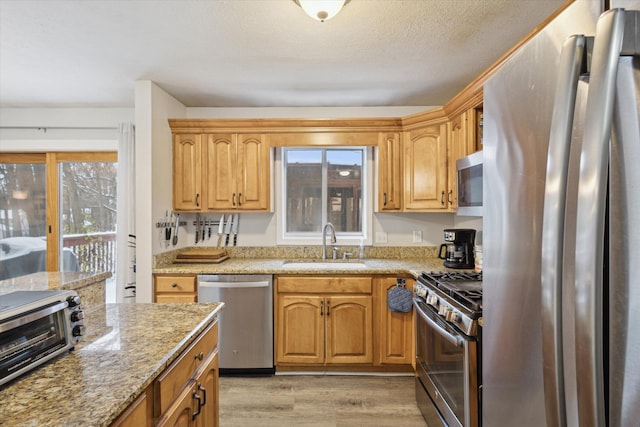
(417, 236)
(381, 237)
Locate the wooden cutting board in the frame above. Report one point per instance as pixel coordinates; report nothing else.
(201, 256)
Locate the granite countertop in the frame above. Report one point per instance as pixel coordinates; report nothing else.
(126, 347)
(276, 266)
(51, 281)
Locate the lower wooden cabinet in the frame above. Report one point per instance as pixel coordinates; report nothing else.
(317, 324)
(394, 330)
(175, 288)
(185, 393)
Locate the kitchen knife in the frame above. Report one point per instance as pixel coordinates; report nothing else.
(197, 227)
(234, 228)
(175, 230)
(227, 230)
(220, 228)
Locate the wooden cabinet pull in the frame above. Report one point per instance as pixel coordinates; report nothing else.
(198, 199)
(200, 356)
(239, 199)
(450, 197)
(321, 308)
(328, 307)
(233, 199)
(384, 199)
(442, 198)
(174, 285)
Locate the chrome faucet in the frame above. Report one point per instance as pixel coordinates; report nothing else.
(324, 238)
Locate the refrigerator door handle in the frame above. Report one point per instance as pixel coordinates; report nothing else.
(572, 58)
(590, 219)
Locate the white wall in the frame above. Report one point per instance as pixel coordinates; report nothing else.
(39, 131)
(153, 176)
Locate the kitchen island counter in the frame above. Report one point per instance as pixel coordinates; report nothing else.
(125, 348)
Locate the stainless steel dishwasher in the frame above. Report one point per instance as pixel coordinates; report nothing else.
(245, 323)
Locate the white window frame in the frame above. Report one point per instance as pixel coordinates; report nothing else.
(315, 238)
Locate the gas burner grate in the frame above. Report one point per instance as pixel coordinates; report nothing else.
(463, 287)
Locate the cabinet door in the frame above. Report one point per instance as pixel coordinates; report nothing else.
(457, 147)
(187, 172)
(253, 173)
(221, 171)
(425, 169)
(394, 329)
(389, 173)
(349, 329)
(180, 413)
(207, 389)
(300, 329)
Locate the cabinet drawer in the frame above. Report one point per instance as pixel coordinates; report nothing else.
(175, 283)
(173, 379)
(319, 284)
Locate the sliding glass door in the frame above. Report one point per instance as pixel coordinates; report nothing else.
(57, 212)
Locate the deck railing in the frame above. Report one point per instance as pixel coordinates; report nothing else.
(94, 251)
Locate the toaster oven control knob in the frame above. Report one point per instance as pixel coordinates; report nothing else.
(78, 331)
(77, 315)
(73, 301)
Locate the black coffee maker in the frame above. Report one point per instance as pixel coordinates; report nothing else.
(458, 251)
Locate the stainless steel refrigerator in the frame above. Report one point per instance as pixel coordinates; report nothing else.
(561, 295)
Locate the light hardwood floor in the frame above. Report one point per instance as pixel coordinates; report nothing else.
(331, 400)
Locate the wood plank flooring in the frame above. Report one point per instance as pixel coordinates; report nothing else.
(319, 400)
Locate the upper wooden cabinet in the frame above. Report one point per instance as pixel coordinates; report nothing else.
(389, 172)
(187, 172)
(238, 169)
(464, 133)
(425, 169)
(221, 172)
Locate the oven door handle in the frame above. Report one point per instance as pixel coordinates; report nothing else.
(453, 339)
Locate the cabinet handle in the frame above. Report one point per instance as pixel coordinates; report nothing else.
(200, 356)
(442, 198)
(174, 285)
(197, 199)
(239, 199)
(384, 199)
(321, 308)
(450, 197)
(328, 307)
(204, 394)
(233, 199)
(197, 412)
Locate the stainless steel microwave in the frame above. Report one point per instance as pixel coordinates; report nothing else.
(469, 184)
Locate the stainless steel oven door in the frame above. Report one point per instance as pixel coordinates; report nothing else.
(447, 367)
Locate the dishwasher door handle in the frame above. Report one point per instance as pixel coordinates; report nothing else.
(233, 284)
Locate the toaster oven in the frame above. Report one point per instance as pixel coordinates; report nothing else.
(36, 326)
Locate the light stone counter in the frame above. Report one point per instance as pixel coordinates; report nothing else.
(89, 286)
(411, 261)
(126, 347)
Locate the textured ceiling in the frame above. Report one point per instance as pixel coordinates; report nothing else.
(253, 53)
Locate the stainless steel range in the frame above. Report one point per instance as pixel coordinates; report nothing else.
(448, 347)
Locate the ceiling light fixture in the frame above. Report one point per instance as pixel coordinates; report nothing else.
(321, 10)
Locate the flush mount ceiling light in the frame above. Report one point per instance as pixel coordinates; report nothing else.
(321, 10)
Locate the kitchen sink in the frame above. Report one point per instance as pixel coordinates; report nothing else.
(323, 265)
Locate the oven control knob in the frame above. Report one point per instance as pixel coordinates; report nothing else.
(453, 316)
(444, 310)
(77, 315)
(73, 301)
(432, 300)
(78, 331)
